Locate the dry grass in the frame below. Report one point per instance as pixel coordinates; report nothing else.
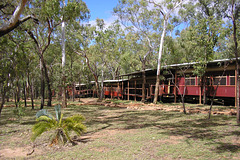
(121, 133)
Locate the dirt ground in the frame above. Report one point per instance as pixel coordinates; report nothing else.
(151, 106)
(28, 150)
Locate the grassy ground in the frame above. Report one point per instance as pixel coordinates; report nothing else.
(119, 133)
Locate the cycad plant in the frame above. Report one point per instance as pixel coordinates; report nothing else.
(61, 127)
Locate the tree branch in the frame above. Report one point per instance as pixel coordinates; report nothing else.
(83, 54)
(35, 41)
(162, 11)
(14, 20)
(4, 31)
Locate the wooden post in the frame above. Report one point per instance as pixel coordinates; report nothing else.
(169, 85)
(200, 92)
(175, 88)
(128, 88)
(118, 90)
(104, 90)
(151, 90)
(111, 92)
(122, 88)
(135, 90)
(147, 92)
(235, 88)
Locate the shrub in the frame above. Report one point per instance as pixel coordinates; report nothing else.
(61, 127)
(20, 110)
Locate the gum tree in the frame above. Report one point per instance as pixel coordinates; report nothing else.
(206, 30)
(138, 19)
(232, 12)
(166, 9)
(49, 14)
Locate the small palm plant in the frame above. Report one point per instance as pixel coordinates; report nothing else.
(61, 127)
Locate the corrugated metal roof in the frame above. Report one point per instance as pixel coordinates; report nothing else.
(110, 81)
(177, 65)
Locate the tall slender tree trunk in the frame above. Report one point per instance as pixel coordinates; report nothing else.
(236, 56)
(183, 103)
(183, 95)
(64, 93)
(215, 91)
(64, 97)
(15, 98)
(98, 89)
(31, 90)
(73, 92)
(2, 103)
(36, 94)
(42, 87)
(159, 60)
(17, 95)
(43, 67)
(144, 80)
(49, 91)
(204, 90)
(24, 94)
(79, 98)
(32, 94)
(44, 73)
(3, 94)
(102, 89)
(73, 83)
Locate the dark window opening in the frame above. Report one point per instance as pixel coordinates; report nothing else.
(222, 81)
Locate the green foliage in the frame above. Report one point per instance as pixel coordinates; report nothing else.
(43, 124)
(61, 127)
(58, 112)
(20, 110)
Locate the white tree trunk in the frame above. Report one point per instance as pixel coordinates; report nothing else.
(64, 99)
(102, 87)
(159, 60)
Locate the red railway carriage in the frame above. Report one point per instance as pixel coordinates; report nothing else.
(113, 88)
(81, 90)
(218, 80)
(176, 80)
(112, 92)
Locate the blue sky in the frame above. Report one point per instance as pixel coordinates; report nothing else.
(101, 9)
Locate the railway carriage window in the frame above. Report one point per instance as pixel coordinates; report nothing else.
(190, 81)
(77, 88)
(187, 81)
(232, 80)
(222, 81)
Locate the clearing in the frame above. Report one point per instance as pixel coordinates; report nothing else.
(128, 130)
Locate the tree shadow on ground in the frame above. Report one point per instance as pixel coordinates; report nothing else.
(101, 118)
(200, 129)
(171, 124)
(226, 147)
